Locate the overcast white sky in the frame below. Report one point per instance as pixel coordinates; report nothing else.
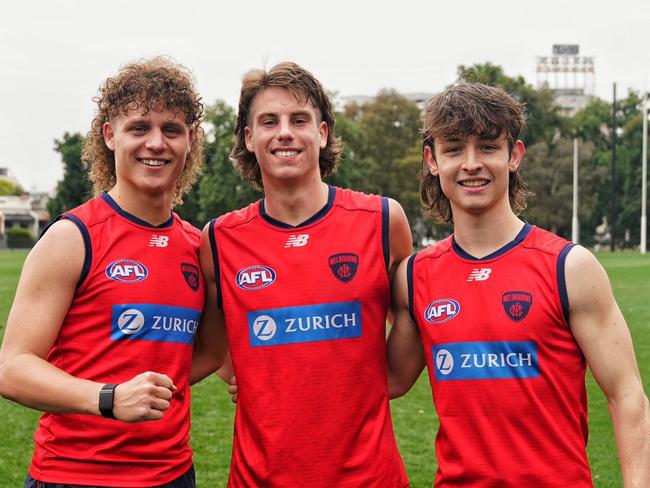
(55, 54)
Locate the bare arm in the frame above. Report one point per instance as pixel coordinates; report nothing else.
(45, 291)
(405, 354)
(211, 342)
(601, 332)
(401, 241)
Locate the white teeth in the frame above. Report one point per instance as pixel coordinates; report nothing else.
(474, 183)
(285, 154)
(152, 162)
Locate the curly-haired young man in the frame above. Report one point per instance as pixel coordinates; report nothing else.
(101, 330)
(302, 279)
(509, 316)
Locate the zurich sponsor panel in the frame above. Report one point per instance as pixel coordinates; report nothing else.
(153, 322)
(307, 323)
(485, 360)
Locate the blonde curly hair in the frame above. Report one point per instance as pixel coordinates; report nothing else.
(154, 84)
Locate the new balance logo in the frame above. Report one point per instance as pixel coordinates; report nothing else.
(298, 240)
(481, 274)
(158, 241)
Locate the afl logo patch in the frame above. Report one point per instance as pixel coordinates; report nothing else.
(344, 266)
(442, 310)
(255, 277)
(191, 275)
(126, 271)
(517, 304)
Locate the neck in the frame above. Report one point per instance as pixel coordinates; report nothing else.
(296, 203)
(480, 236)
(154, 209)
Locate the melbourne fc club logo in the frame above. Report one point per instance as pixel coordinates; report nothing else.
(191, 275)
(517, 304)
(344, 266)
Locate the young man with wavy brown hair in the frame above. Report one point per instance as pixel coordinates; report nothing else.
(506, 316)
(101, 330)
(301, 279)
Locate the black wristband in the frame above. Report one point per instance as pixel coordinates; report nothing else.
(106, 400)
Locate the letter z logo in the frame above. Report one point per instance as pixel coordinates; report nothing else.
(297, 240)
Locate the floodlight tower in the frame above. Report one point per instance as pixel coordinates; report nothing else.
(571, 78)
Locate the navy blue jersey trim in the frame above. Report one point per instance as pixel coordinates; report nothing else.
(561, 279)
(385, 223)
(88, 250)
(517, 240)
(409, 282)
(215, 260)
(314, 218)
(108, 199)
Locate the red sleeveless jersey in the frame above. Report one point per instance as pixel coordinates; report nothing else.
(507, 375)
(135, 309)
(305, 311)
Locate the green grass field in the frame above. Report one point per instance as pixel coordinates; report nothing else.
(413, 416)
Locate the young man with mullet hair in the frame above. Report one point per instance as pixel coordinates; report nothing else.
(89, 339)
(507, 316)
(302, 279)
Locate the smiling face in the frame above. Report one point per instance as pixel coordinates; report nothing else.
(150, 149)
(286, 136)
(474, 171)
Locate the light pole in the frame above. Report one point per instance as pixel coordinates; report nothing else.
(575, 226)
(644, 172)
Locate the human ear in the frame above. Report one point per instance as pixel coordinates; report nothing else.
(248, 139)
(109, 135)
(516, 155)
(430, 158)
(323, 130)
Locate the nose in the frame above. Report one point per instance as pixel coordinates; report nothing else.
(155, 140)
(284, 130)
(473, 161)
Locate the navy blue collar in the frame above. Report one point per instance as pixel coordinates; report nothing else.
(520, 237)
(108, 199)
(317, 216)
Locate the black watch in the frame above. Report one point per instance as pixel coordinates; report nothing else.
(106, 400)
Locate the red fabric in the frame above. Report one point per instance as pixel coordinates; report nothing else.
(506, 431)
(90, 450)
(313, 413)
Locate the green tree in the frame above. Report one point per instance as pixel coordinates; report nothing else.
(593, 123)
(382, 137)
(75, 188)
(9, 188)
(221, 188)
(354, 170)
(548, 171)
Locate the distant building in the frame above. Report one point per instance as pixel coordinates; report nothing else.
(419, 98)
(569, 75)
(26, 210)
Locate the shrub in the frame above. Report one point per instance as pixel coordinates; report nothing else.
(19, 238)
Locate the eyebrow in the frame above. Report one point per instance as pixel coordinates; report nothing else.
(293, 114)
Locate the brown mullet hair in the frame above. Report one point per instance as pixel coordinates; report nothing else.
(156, 84)
(304, 87)
(461, 111)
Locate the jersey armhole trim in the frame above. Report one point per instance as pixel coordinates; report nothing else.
(385, 223)
(215, 260)
(561, 280)
(409, 282)
(88, 250)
